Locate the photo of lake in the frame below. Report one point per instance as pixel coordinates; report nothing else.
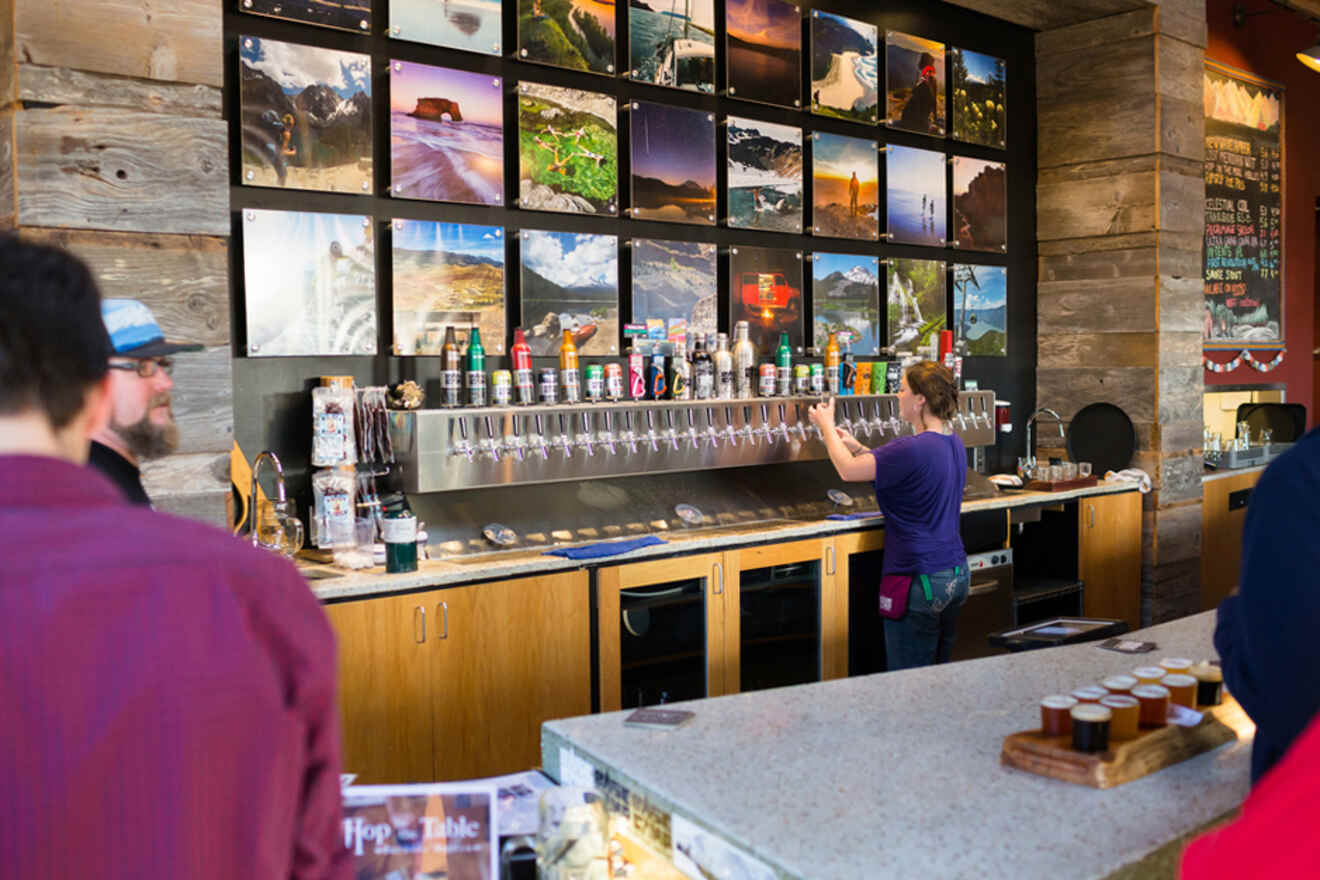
(675, 279)
(764, 51)
(980, 205)
(570, 281)
(354, 15)
(980, 310)
(470, 25)
(764, 175)
(765, 290)
(447, 275)
(844, 68)
(845, 300)
(917, 304)
(577, 34)
(673, 163)
(845, 186)
(916, 196)
(914, 84)
(978, 98)
(672, 43)
(446, 135)
(568, 150)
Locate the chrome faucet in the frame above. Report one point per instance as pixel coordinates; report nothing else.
(280, 500)
(1058, 420)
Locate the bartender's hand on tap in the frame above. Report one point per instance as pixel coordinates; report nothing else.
(821, 414)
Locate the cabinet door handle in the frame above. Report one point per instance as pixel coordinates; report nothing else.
(1091, 509)
(419, 624)
(829, 556)
(443, 610)
(717, 573)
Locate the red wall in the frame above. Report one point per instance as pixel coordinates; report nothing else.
(1267, 45)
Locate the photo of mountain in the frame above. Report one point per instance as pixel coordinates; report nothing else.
(471, 25)
(673, 163)
(306, 116)
(675, 279)
(447, 275)
(352, 15)
(845, 300)
(916, 196)
(570, 281)
(914, 84)
(577, 34)
(446, 135)
(672, 43)
(844, 68)
(568, 150)
(978, 98)
(917, 303)
(309, 283)
(980, 310)
(845, 186)
(764, 51)
(765, 175)
(765, 290)
(980, 205)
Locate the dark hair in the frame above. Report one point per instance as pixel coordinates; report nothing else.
(935, 383)
(53, 343)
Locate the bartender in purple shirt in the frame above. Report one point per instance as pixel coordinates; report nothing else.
(167, 692)
(919, 483)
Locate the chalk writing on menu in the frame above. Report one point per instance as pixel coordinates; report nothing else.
(1243, 212)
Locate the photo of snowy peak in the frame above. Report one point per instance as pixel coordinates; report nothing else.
(845, 300)
(765, 175)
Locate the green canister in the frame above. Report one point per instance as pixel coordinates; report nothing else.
(399, 530)
(878, 371)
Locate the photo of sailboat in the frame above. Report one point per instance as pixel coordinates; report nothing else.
(673, 46)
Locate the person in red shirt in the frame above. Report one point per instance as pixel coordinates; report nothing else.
(168, 691)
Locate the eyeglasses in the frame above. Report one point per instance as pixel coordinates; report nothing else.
(144, 367)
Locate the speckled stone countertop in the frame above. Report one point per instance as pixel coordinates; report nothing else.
(1231, 472)
(898, 774)
(330, 584)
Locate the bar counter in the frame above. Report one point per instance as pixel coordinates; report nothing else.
(898, 774)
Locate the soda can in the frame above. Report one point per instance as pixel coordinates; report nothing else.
(501, 388)
(613, 381)
(878, 371)
(657, 383)
(571, 381)
(801, 379)
(817, 378)
(636, 375)
(768, 374)
(522, 380)
(549, 385)
(595, 383)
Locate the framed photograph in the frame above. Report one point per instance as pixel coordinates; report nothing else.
(570, 281)
(306, 116)
(978, 98)
(765, 175)
(917, 304)
(765, 290)
(845, 300)
(309, 283)
(470, 25)
(914, 84)
(675, 280)
(980, 310)
(577, 34)
(673, 164)
(845, 186)
(764, 51)
(844, 68)
(568, 150)
(447, 275)
(980, 205)
(352, 15)
(915, 198)
(446, 135)
(673, 44)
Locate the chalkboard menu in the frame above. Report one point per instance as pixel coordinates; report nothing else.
(1243, 211)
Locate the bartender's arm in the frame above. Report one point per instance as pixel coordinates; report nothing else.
(854, 462)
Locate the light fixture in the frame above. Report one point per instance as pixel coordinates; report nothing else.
(1311, 57)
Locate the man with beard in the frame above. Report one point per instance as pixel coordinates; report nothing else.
(141, 423)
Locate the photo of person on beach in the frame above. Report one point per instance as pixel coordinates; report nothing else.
(844, 68)
(916, 196)
(914, 71)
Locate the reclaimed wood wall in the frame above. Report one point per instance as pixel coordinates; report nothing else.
(1120, 211)
(112, 144)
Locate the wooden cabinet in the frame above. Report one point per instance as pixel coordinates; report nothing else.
(455, 683)
(1109, 556)
(855, 640)
(1223, 513)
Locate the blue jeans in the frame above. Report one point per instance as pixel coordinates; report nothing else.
(924, 635)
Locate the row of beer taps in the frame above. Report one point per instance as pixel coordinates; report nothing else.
(518, 433)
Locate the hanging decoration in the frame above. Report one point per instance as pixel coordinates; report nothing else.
(1240, 358)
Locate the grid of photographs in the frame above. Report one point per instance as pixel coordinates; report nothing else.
(765, 290)
(916, 196)
(568, 150)
(675, 281)
(980, 205)
(306, 116)
(844, 68)
(673, 163)
(980, 310)
(914, 84)
(351, 15)
(576, 34)
(978, 83)
(845, 300)
(765, 175)
(447, 275)
(570, 281)
(309, 283)
(763, 53)
(917, 304)
(845, 186)
(673, 44)
(446, 135)
(470, 25)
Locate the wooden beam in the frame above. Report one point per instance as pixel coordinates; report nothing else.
(1070, 389)
(1044, 15)
(1098, 33)
(1106, 266)
(204, 400)
(1122, 69)
(7, 58)
(1120, 204)
(1094, 129)
(1089, 348)
(194, 486)
(61, 85)
(1119, 305)
(8, 206)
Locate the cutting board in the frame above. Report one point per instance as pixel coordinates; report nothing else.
(1062, 485)
(1125, 760)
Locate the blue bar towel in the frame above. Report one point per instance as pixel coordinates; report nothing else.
(868, 514)
(605, 548)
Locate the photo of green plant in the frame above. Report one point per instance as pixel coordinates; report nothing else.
(978, 98)
(568, 144)
(918, 304)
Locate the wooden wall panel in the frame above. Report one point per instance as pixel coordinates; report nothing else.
(1182, 201)
(1184, 20)
(1182, 303)
(203, 400)
(1094, 129)
(1123, 306)
(1099, 33)
(7, 59)
(1181, 437)
(1094, 346)
(1068, 390)
(8, 206)
(194, 486)
(1097, 206)
(1182, 129)
(1104, 265)
(61, 85)
(1113, 70)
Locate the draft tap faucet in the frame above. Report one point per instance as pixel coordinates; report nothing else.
(540, 437)
(607, 436)
(563, 441)
(692, 431)
(669, 433)
(280, 499)
(764, 430)
(877, 423)
(1058, 421)
(711, 433)
(846, 421)
(464, 445)
(650, 430)
(783, 422)
(490, 444)
(513, 440)
(799, 421)
(628, 436)
(728, 426)
(747, 429)
(895, 424)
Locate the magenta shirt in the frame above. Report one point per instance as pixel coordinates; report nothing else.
(919, 484)
(167, 693)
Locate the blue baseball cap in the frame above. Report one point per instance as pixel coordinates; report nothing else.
(134, 332)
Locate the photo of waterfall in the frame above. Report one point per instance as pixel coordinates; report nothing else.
(918, 304)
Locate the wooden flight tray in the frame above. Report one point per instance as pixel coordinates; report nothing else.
(1062, 485)
(1125, 760)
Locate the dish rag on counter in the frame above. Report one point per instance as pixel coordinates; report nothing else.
(605, 548)
(863, 515)
(1135, 475)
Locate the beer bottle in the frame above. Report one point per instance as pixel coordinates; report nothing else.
(783, 367)
(723, 368)
(832, 365)
(451, 370)
(521, 353)
(703, 372)
(476, 370)
(569, 377)
(744, 361)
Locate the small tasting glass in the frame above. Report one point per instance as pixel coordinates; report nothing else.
(1069, 470)
(1056, 473)
(1083, 469)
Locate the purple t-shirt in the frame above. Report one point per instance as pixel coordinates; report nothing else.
(919, 487)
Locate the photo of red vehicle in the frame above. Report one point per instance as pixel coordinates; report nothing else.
(767, 285)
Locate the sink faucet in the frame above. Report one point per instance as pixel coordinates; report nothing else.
(1058, 420)
(280, 500)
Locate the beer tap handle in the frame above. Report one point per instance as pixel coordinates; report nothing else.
(728, 426)
(584, 439)
(747, 429)
(670, 433)
(693, 441)
(783, 423)
(608, 437)
(540, 437)
(711, 433)
(650, 430)
(491, 444)
(513, 440)
(629, 436)
(765, 424)
(798, 423)
(563, 441)
(464, 446)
